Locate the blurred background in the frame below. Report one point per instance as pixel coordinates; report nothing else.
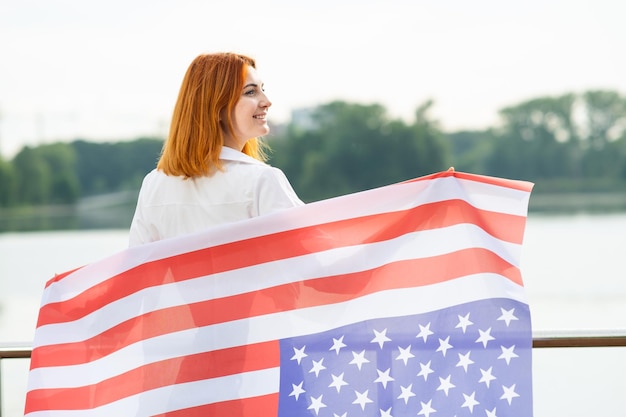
(365, 93)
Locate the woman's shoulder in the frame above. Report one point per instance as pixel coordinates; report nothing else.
(158, 180)
(153, 176)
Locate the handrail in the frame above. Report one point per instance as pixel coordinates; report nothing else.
(572, 339)
(12, 351)
(541, 339)
(15, 351)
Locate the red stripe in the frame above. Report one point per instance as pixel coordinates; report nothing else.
(156, 375)
(321, 291)
(499, 182)
(282, 245)
(263, 406)
(59, 277)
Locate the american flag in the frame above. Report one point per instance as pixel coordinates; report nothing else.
(453, 361)
(406, 300)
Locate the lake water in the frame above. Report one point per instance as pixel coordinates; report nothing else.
(573, 269)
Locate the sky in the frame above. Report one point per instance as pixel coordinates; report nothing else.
(111, 70)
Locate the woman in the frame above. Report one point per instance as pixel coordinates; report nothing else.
(211, 170)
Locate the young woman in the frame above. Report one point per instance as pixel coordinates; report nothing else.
(212, 168)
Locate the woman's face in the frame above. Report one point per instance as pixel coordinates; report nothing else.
(250, 113)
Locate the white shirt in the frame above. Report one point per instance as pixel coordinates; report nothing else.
(170, 206)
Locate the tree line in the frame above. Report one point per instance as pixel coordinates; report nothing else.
(571, 142)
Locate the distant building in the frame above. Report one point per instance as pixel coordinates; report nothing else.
(303, 118)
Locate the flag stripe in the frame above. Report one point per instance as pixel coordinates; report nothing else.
(311, 321)
(500, 182)
(351, 231)
(281, 325)
(255, 388)
(312, 239)
(194, 325)
(483, 193)
(159, 374)
(231, 283)
(250, 407)
(292, 296)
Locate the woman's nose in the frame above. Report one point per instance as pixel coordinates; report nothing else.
(265, 102)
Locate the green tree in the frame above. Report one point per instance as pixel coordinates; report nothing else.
(114, 166)
(8, 184)
(430, 149)
(538, 139)
(573, 138)
(33, 177)
(469, 149)
(347, 147)
(137, 158)
(96, 166)
(603, 131)
(605, 117)
(60, 159)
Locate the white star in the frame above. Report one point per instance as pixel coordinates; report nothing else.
(424, 332)
(338, 382)
(297, 390)
(385, 413)
(405, 354)
(485, 337)
(464, 361)
(444, 346)
(337, 345)
(380, 338)
(362, 399)
(425, 370)
(464, 322)
(317, 367)
(358, 359)
(298, 354)
(426, 409)
(445, 385)
(487, 376)
(343, 415)
(406, 393)
(383, 377)
(508, 354)
(316, 404)
(470, 402)
(491, 413)
(507, 316)
(509, 393)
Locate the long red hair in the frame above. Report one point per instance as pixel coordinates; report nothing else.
(210, 89)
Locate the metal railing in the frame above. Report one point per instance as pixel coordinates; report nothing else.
(11, 351)
(582, 339)
(579, 339)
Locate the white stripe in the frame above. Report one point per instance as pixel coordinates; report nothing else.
(180, 396)
(490, 197)
(385, 199)
(391, 303)
(332, 262)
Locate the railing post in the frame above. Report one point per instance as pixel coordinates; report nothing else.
(1, 402)
(12, 351)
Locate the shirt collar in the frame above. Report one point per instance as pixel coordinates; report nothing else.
(231, 154)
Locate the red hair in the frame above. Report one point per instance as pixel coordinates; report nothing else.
(210, 89)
